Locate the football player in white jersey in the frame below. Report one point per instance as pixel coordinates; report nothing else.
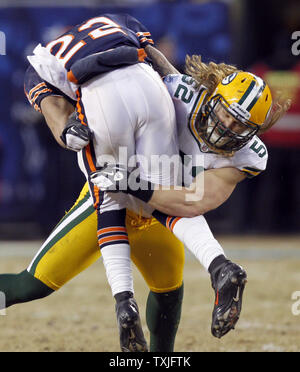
(219, 114)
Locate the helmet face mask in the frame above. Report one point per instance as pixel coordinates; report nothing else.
(234, 113)
(222, 129)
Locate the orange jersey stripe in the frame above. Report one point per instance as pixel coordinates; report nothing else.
(143, 34)
(79, 110)
(111, 229)
(174, 223)
(97, 196)
(113, 238)
(38, 93)
(36, 88)
(142, 54)
(92, 167)
(71, 77)
(89, 158)
(168, 222)
(36, 107)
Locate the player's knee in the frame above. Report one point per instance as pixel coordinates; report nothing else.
(173, 297)
(169, 299)
(167, 283)
(29, 288)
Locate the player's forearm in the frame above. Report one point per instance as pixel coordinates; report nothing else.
(208, 192)
(160, 62)
(56, 111)
(172, 203)
(184, 203)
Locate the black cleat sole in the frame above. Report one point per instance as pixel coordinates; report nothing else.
(134, 344)
(130, 329)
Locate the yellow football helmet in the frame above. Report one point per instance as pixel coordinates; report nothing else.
(235, 112)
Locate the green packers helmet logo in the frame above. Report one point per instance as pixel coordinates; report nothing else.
(228, 79)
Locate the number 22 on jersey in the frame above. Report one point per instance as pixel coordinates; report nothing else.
(109, 27)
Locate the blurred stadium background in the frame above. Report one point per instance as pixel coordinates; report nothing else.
(39, 181)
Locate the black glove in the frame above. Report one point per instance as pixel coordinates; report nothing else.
(116, 177)
(75, 135)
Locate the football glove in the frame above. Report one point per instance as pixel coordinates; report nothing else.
(110, 177)
(75, 136)
(116, 177)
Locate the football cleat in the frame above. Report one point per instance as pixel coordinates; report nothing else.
(131, 333)
(228, 282)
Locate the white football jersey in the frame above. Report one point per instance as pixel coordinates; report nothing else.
(251, 159)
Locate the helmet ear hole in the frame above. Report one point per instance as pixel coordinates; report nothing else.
(243, 80)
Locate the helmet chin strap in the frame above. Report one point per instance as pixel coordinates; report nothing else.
(216, 150)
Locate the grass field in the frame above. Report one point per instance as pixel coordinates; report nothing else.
(80, 316)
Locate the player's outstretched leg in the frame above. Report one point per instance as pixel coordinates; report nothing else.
(228, 281)
(22, 287)
(130, 328)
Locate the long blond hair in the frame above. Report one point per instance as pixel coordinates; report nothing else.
(280, 106)
(211, 74)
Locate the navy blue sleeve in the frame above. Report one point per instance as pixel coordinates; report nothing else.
(36, 89)
(98, 63)
(141, 31)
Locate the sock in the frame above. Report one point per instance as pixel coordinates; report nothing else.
(115, 250)
(168, 221)
(198, 238)
(22, 287)
(195, 234)
(163, 314)
(117, 263)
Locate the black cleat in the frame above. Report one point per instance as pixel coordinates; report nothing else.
(228, 282)
(131, 333)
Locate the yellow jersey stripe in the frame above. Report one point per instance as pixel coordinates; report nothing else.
(251, 172)
(194, 113)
